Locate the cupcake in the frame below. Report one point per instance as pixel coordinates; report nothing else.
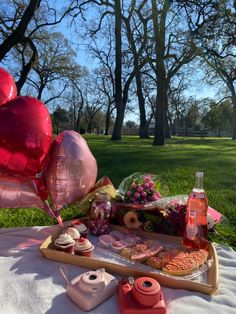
(74, 233)
(83, 247)
(83, 230)
(65, 243)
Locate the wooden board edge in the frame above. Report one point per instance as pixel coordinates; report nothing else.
(125, 271)
(213, 271)
(207, 288)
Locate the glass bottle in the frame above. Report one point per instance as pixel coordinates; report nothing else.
(100, 213)
(196, 233)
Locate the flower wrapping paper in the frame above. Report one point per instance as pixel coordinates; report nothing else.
(166, 215)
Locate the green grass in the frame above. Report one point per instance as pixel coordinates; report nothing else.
(176, 163)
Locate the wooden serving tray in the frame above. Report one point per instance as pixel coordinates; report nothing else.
(208, 285)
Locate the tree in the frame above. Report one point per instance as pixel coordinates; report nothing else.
(56, 63)
(77, 107)
(159, 27)
(104, 74)
(20, 30)
(219, 117)
(17, 32)
(174, 47)
(59, 119)
(136, 30)
(130, 124)
(218, 49)
(122, 79)
(27, 43)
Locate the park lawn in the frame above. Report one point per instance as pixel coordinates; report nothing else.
(176, 163)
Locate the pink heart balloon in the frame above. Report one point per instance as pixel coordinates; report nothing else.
(18, 192)
(25, 136)
(21, 192)
(72, 169)
(8, 89)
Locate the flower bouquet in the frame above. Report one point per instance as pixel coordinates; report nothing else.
(143, 206)
(140, 188)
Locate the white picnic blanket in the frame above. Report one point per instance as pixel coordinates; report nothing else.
(32, 284)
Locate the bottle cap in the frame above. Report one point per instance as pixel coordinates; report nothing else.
(199, 174)
(102, 196)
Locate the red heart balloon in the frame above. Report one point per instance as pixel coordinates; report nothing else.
(25, 136)
(8, 89)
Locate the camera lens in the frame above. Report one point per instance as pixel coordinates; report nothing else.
(92, 277)
(146, 284)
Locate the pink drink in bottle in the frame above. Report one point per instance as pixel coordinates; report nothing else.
(196, 233)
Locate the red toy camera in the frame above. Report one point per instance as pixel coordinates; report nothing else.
(143, 295)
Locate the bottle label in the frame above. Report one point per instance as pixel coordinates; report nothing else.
(191, 231)
(191, 227)
(199, 195)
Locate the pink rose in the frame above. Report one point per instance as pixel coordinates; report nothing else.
(147, 179)
(128, 193)
(155, 197)
(140, 188)
(151, 184)
(143, 194)
(137, 195)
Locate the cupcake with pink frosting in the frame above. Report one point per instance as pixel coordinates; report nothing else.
(74, 233)
(81, 227)
(83, 247)
(65, 243)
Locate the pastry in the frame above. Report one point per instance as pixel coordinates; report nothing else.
(180, 262)
(145, 252)
(154, 262)
(200, 256)
(126, 252)
(74, 233)
(180, 266)
(65, 243)
(172, 253)
(83, 247)
(81, 227)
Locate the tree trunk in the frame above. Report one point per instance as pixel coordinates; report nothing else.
(159, 136)
(143, 127)
(116, 135)
(77, 123)
(89, 127)
(234, 116)
(159, 38)
(107, 121)
(27, 67)
(167, 114)
(167, 128)
(41, 88)
(17, 35)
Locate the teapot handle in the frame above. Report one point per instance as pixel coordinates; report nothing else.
(64, 273)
